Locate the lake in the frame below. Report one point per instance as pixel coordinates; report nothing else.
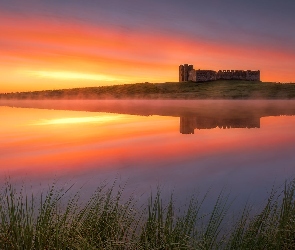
(184, 147)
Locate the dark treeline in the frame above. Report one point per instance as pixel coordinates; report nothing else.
(190, 90)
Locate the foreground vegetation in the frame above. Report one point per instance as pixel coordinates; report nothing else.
(55, 221)
(222, 89)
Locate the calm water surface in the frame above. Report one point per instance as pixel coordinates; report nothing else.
(183, 146)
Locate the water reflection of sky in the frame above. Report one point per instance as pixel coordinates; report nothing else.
(40, 145)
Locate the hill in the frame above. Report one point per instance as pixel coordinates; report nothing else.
(223, 89)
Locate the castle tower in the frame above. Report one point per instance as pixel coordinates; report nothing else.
(181, 73)
(184, 72)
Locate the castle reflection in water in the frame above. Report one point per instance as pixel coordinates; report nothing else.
(189, 124)
(195, 114)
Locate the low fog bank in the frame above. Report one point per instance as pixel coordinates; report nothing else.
(176, 108)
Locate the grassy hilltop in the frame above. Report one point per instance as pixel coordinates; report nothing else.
(223, 89)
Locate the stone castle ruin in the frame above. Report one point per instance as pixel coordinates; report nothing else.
(187, 73)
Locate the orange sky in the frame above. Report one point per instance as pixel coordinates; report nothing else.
(39, 52)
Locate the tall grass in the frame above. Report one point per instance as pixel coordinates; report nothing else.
(105, 221)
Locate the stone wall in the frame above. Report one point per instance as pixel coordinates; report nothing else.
(202, 75)
(248, 75)
(188, 73)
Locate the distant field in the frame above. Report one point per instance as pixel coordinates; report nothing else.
(224, 89)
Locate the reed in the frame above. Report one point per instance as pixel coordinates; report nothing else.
(55, 221)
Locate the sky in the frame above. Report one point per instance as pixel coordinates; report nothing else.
(55, 44)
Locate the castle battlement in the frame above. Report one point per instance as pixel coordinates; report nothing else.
(188, 73)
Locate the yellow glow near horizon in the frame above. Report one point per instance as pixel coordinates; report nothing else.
(67, 75)
(79, 120)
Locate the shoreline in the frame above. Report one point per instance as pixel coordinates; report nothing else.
(215, 90)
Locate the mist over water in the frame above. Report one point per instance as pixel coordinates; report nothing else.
(181, 146)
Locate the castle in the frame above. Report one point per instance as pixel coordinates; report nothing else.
(188, 73)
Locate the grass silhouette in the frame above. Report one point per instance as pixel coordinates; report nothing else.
(51, 221)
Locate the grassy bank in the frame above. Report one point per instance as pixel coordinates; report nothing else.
(231, 89)
(106, 222)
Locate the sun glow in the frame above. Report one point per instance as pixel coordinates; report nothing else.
(79, 120)
(66, 75)
(39, 54)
